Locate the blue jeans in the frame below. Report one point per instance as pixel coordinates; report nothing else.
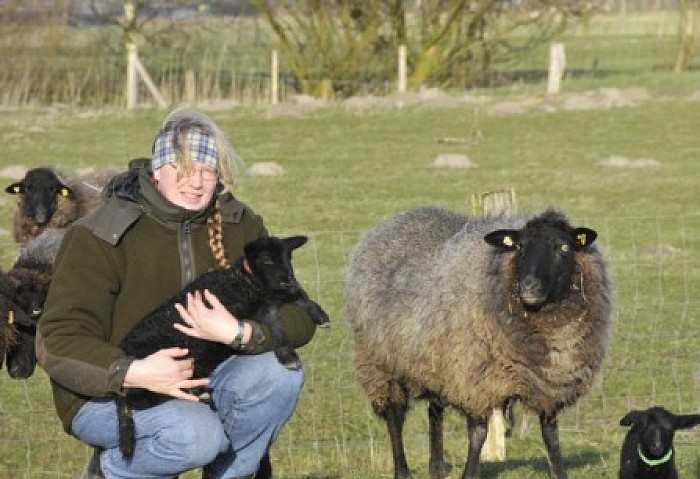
(254, 396)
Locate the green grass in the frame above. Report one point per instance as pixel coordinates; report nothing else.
(344, 172)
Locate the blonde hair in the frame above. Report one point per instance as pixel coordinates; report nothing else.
(215, 227)
(182, 120)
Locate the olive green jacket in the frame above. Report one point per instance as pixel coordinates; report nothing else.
(119, 263)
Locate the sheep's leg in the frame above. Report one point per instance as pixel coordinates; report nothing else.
(438, 468)
(550, 435)
(127, 429)
(395, 415)
(476, 429)
(315, 312)
(283, 347)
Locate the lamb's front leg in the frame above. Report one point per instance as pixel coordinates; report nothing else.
(315, 312)
(284, 351)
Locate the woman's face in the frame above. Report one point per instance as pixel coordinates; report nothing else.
(190, 188)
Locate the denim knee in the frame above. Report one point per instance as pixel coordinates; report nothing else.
(259, 376)
(192, 440)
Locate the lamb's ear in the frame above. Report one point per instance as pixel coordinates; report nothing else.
(14, 188)
(294, 242)
(503, 239)
(686, 421)
(584, 237)
(631, 418)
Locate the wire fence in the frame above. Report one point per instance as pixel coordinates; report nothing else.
(653, 359)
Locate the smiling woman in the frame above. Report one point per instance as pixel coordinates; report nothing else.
(164, 223)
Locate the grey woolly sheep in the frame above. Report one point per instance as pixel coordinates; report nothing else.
(255, 286)
(44, 200)
(473, 313)
(28, 283)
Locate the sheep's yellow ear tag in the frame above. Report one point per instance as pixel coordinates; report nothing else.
(582, 239)
(65, 192)
(508, 241)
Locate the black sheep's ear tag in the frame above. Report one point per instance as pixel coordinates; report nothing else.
(505, 239)
(14, 189)
(584, 237)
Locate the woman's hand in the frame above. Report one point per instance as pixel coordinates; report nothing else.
(167, 371)
(213, 323)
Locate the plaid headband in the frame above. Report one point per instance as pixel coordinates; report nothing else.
(201, 147)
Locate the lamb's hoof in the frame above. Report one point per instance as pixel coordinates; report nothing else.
(293, 364)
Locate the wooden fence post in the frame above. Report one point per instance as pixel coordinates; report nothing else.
(401, 83)
(494, 203)
(274, 78)
(557, 65)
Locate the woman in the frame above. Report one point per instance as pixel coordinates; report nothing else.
(164, 222)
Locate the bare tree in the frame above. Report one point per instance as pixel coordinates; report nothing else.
(351, 44)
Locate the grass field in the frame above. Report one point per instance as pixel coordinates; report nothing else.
(347, 169)
(344, 172)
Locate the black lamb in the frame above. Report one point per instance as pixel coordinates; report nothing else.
(255, 287)
(647, 451)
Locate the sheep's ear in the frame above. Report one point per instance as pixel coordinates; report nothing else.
(631, 418)
(584, 237)
(294, 242)
(686, 421)
(14, 188)
(66, 192)
(503, 239)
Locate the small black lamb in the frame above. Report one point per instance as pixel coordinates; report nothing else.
(45, 200)
(255, 286)
(647, 451)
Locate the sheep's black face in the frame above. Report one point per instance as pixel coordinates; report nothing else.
(544, 259)
(40, 189)
(21, 357)
(270, 259)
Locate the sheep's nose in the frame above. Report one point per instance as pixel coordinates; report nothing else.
(531, 291)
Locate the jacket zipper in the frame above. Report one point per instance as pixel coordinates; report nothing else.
(186, 254)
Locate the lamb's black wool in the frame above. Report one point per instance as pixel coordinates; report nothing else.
(255, 286)
(647, 451)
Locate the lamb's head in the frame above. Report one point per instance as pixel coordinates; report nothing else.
(544, 256)
(270, 260)
(40, 189)
(654, 429)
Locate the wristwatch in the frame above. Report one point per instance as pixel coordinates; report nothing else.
(238, 339)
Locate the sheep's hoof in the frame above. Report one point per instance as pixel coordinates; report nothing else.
(293, 364)
(440, 471)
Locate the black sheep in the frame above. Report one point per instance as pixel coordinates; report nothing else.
(255, 286)
(647, 451)
(26, 286)
(45, 200)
